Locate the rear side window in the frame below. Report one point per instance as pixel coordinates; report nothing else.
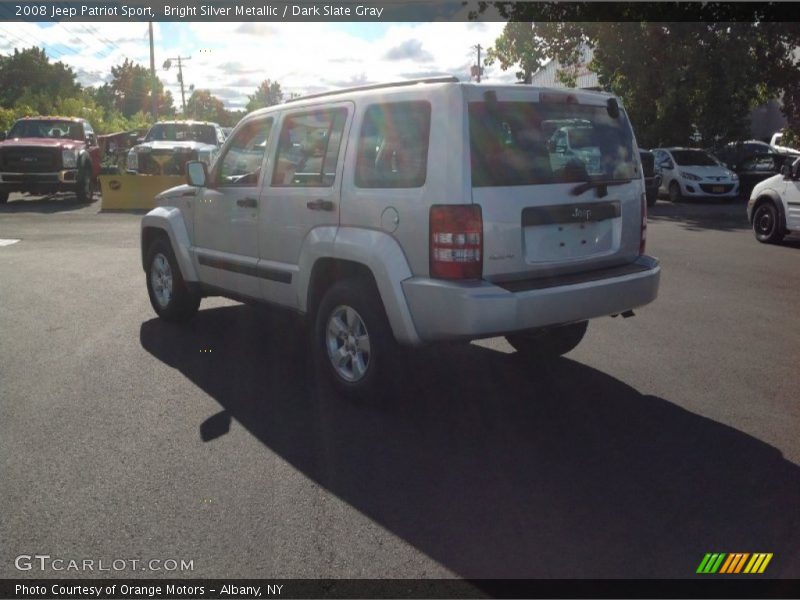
(393, 145)
(308, 149)
(531, 143)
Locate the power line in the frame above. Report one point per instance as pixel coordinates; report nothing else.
(27, 41)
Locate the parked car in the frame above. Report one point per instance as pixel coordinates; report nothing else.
(692, 173)
(411, 213)
(652, 178)
(758, 167)
(169, 145)
(752, 161)
(774, 206)
(44, 155)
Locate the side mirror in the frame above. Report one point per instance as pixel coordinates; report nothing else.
(786, 171)
(196, 173)
(140, 140)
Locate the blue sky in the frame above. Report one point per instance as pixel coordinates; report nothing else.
(231, 59)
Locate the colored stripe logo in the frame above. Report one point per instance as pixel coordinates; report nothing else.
(734, 563)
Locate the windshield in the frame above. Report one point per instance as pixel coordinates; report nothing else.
(697, 158)
(47, 129)
(530, 143)
(182, 132)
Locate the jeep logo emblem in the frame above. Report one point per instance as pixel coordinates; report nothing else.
(115, 184)
(581, 214)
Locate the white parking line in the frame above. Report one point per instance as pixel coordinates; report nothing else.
(7, 242)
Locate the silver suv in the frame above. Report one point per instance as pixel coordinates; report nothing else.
(413, 213)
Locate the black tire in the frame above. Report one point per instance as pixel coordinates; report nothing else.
(3, 197)
(548, 344)
(179, 305)
(85, 190)
(675, 194)
(365, 363)
(767, 224)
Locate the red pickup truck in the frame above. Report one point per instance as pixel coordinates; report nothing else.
(43, 155)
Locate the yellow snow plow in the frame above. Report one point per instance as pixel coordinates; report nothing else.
(134, 192)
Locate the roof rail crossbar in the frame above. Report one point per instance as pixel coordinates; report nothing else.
(377, 86)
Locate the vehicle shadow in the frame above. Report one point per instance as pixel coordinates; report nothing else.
(54, 203)
(700, 215)
(496, 468)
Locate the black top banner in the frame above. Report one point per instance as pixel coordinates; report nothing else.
(393, 11)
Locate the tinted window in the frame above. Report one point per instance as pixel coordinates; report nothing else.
(308, 149)
(763, 162)
(697, 158)
(181, 132)
(47, 129)
(393, 145)
(241, 164)
(527, 143)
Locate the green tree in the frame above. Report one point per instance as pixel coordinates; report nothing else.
(675, 78)
(205, 107)
(130, 91)
(267, 94)
(30, 73)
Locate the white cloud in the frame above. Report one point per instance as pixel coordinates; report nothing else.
(233, 58)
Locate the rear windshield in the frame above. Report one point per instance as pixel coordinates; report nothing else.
(697, 158)
(179, 132)
(527, 143)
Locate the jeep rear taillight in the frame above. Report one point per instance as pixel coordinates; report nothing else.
(456, 241)
(643, 233)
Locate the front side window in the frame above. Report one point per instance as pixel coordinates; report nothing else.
(532, 143)
(241, 164)
(393, 145)
(308, 149)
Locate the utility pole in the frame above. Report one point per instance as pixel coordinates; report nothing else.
(153, 86)
(167, 65)
(477, 70)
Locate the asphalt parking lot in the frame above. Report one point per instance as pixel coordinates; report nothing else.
(660, 438)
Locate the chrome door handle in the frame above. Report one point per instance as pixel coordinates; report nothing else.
(247, 202)
(320, 204)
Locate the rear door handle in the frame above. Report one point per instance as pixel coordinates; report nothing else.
(320, 204)
(247, 202)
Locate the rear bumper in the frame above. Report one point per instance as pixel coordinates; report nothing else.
(444, 310)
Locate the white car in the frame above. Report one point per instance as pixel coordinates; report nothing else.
(774, 206)
(169, 145)
(692, 173)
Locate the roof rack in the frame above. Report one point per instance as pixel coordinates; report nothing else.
(377, 86)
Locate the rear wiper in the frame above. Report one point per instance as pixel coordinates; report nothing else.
(601, 186)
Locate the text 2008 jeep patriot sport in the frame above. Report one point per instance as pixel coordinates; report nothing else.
(412, 213)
